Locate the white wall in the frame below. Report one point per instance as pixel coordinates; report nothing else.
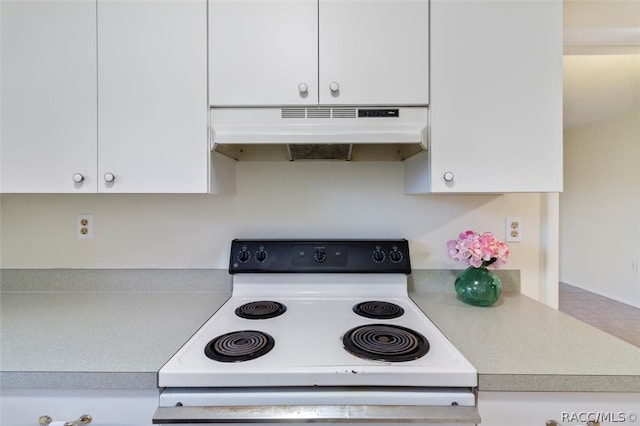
(274, 199)
(600, 208)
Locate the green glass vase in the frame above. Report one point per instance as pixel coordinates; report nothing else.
(478, 286)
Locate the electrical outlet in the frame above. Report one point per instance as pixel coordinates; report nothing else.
(84, 226)
(513, 229)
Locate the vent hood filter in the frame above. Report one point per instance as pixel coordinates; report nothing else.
(319, 152)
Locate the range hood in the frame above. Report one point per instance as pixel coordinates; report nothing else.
(319, 133)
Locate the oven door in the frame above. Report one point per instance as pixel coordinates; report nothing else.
(297, 406)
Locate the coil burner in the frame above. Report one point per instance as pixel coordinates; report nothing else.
(237, 346)
(384, 342)
(262, 309)
(378, 310)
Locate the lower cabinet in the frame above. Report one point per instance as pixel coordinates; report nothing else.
(23, 407)
(114, 407)
(565, 408)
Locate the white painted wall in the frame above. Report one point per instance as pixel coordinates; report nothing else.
(274, 200)
(600, 208)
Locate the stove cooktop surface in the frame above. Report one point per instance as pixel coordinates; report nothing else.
(309, 321)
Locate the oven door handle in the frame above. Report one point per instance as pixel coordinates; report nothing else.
(316, 414)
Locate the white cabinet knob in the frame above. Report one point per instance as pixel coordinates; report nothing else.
(334, 86)
(77, 177)
(303, 88)
(448, 176)
(109, 177)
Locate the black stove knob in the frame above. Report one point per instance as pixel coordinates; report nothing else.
(320, 255)
(395, 255)
(244, 255)
(261, 255)
(378, 255)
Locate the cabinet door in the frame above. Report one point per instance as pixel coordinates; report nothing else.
(496, 96)
(376, 51)
(48, 81)
(152, 96)
(566, 408)
(263, 52)
(112, 407)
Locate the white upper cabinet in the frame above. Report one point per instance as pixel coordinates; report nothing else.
(496, 98)
(332, 52)
(152, 96)
(48, 81)
(104, 96)
(376, 52)
(263, 52)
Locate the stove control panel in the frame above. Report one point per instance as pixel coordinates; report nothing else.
(310, 256)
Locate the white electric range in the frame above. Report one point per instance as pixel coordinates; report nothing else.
(318, 331)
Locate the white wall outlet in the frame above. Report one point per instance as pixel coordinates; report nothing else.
(513, 229)
(84, 226)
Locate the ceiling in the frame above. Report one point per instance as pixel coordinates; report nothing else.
(602, 59)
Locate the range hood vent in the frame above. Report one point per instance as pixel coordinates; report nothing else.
(319, 133)
(294, 113)
(337, 151)
(319, 112)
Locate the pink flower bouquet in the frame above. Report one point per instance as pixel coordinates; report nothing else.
(478, 250)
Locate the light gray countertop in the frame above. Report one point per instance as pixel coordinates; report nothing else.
(520, 344)
(114, 329)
